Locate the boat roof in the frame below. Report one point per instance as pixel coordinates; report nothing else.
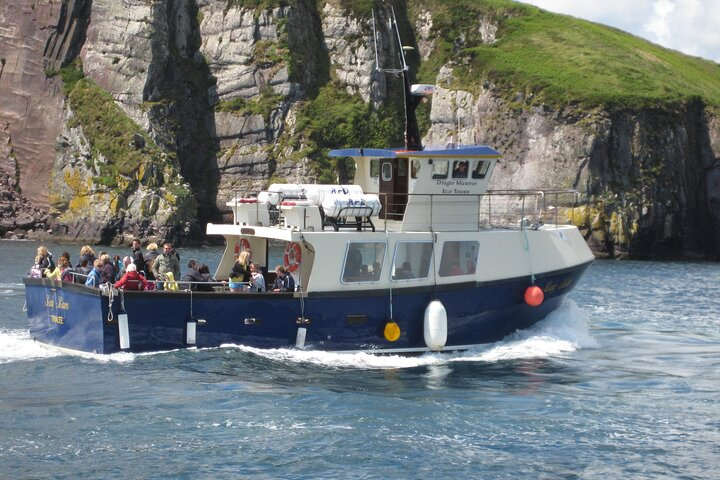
(470, 151)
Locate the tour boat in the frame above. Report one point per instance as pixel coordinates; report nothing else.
(416, 255)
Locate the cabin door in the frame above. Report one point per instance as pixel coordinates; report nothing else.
(393, 187)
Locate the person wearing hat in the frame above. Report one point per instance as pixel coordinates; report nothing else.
(192, 275)
(132, 280)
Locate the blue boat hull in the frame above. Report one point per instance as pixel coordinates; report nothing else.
(80, 318)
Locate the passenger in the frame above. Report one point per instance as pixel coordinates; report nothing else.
(456, 270)
(87, 253)
(93, 279)
(353, 262)
(67, 255)
(57, 273)
(148, 272)
(377, 268)
(132, 280)
(107, 271)
(204, 272)
(137, 255)
(284, 282)
(152, 252)
(166, 263)
(117, 268)
(241, 269)
(257, 282)
(460, 170)
(123, 269)
(44, 260)
(82, 271)
(192, 275)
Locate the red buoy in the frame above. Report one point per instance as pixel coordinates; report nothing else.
(534, 296)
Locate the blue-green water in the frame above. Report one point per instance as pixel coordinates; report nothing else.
(622, 382)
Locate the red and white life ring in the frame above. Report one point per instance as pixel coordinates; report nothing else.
(241, 245)
(293, 256)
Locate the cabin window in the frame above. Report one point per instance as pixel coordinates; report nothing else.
(460, 169)
(412, 260)
(363, 262)
(458, 258)
(386, 172)
(375, 167)
(480, 169)
(414, 168)
(440, 169)
(402, 167)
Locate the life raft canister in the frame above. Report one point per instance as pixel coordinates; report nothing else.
(292, 257)
(241, 245)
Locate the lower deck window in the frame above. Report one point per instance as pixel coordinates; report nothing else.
(458, 258)
(363, 262)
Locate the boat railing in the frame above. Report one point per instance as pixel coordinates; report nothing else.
(493, 209)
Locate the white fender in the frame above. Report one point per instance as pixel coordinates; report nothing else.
(435, 326)
(123, 331)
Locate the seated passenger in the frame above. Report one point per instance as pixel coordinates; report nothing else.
(83, 271)
(284, 282)
(132, 280)
(93, 279)
(460, 170)
(107, 271)
(57, 274)
(192, 275)
(257, 282)
(205, 276)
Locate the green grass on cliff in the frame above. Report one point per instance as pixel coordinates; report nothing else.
(109, 130)
(559, 59)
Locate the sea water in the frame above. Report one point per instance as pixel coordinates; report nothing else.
(621, 382)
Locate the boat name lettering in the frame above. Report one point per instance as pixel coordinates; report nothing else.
(552, 286)
(457, 183)
(342, 190)
(49, 301)
(57, 319)
(454, 190)
(62, 305)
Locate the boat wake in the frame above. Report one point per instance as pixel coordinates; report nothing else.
(16, 345)
(564, 331)
(561, 333)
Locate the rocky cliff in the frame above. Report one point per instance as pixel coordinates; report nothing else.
(141, 118)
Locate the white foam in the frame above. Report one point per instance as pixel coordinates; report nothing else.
(16, 345)
(562, 332)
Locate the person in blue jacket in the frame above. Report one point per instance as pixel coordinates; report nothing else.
(93, 279)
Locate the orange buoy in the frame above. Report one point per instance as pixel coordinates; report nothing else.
(534, 295)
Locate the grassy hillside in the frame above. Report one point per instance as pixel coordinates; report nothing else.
(558, 59)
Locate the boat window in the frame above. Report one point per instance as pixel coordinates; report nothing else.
(458, 258)
(480, 169)
(414, 168)
(440, 169)
(460, 169)
(375, 167)
(402, 167)
(412, 260)
(386, 172)
(363, 262)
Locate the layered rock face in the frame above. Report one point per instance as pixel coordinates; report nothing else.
(221, 90)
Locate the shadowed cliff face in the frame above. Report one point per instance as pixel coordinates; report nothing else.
(223, 92)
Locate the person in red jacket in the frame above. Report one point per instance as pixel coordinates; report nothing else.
(132, 280)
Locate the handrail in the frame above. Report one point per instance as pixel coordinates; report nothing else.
(496, 208)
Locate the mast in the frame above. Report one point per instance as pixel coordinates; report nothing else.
(411, 101)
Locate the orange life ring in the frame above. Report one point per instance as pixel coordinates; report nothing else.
(293, 255)
(241, 245)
